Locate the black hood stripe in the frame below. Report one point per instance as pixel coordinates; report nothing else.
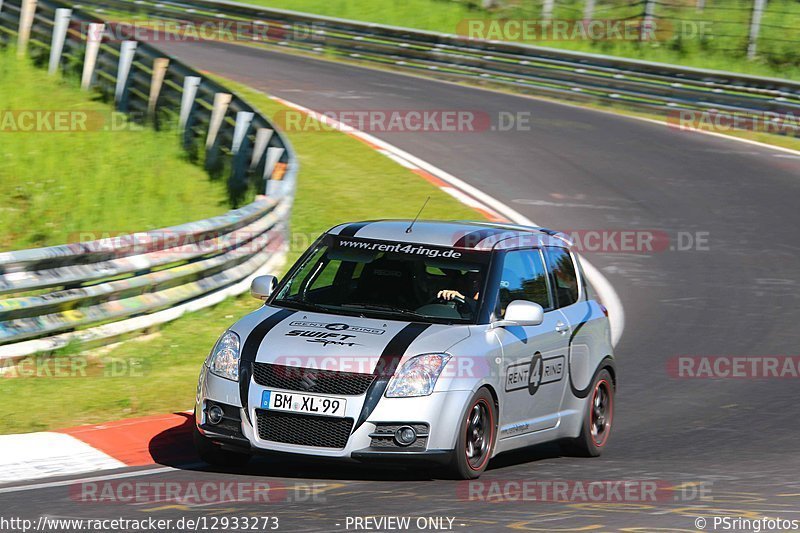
(386, 366)
(250, 351)
(351, 229)
(473, 239)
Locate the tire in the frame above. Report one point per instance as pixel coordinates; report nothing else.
(476, 438)
(597, 419)
(213, 454)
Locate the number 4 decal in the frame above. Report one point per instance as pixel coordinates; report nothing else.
(535, 374)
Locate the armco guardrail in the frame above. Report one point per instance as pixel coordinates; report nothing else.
(639, 85)
(102, 289)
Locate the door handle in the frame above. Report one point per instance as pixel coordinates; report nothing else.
(562, 328)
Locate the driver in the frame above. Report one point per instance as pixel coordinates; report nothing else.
(469, 283)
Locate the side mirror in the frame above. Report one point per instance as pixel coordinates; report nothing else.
(522, 313)
(262, 287)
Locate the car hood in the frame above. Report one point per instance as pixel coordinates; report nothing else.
(337, 342)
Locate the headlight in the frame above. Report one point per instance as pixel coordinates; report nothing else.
(224, 358)
(417, 376)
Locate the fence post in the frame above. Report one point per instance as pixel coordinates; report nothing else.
(190, 85)
(701, 5)
(126, 52)
(26, 12)
(60, 25)
(645, 32)
(94, 36)
(157, 80)
(547, 9)
(755, 26)
(588, 11)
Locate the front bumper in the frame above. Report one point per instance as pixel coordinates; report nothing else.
(441, 411)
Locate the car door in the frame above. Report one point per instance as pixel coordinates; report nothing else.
(534, 357)
(586, 321)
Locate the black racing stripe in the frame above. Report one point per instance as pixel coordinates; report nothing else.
(471, 240)
(250, 351)
(351, 229)
(578, 393)
(386, 366)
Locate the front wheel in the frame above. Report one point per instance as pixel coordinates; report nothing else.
(476, 438)
(213, 454)
(597, 419)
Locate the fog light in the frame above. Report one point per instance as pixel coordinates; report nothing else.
(215, 415)
(405, 436)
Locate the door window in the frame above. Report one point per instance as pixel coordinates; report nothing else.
(523, 278)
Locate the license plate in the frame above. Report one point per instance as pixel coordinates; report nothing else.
(303, 403)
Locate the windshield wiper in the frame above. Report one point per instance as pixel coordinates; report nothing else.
(386, 308)
(308, 306)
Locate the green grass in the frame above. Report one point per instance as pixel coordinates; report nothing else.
(341, 179)
(54, 185)
(723, 46)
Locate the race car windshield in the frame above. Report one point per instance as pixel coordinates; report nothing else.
(382, 279)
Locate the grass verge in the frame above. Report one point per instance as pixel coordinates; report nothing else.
(341, 179)
(97, 173)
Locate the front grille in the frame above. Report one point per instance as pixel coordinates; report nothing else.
(305, 430)
(311, 380)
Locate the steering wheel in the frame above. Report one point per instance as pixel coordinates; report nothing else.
(457, 302)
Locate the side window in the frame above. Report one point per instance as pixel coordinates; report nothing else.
(523, 278)
(562, 274)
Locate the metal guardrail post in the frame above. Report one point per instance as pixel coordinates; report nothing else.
(221, 102)
(60, 25)
(213, 164)
(160, 66)
(263, 136)
(239, 149)
(274, 186)
(190, 86)
(127, 51)
(26, 13)
(94, 36)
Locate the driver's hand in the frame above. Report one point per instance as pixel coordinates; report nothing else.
(450, 295)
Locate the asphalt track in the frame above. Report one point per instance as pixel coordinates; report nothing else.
(577, 169)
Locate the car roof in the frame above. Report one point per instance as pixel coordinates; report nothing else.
(476, 235)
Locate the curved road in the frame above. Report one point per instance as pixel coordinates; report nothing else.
(583, 169)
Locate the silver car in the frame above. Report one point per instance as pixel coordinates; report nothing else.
(401, 341)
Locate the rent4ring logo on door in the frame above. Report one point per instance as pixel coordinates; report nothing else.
(532, 375)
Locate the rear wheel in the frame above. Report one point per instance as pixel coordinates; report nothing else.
(476, 438)
(597, 419)
(213, 454)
